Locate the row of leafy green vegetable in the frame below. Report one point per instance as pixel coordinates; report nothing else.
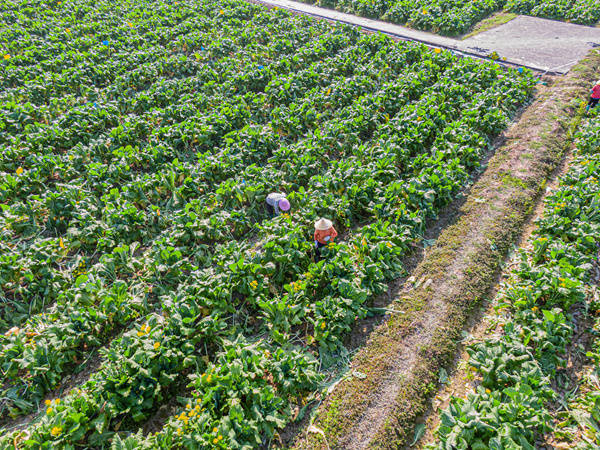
(69, 321)
(168, 256)
(577, 424)
(66, 417)
(509, 409)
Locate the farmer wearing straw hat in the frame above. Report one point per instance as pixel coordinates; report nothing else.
(324, 234)
(595, 97)
(277, 202)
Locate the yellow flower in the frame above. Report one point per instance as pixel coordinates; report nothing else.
(61, 243)
(6, 56)
(323, 326)
(20, 169)
(49, 411)
(438, 50)
(487, 391)
(215, 429)
(156, 345)
(209, 378)
(215, 441)
(56, 431)
(179, 431)
(68, 30)
(48, 402)
(220, 437)
(534, 309)
(57, 401)
(425, 11)
(130, 24)
(389, 244)
(221, 12)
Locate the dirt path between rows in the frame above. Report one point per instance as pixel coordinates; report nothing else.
(483, 324)
(401, 360)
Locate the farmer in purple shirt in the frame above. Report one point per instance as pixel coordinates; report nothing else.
(276, 202)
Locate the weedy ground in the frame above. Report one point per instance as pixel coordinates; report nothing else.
(495, 20)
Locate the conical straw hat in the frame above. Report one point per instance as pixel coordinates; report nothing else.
(323, 224)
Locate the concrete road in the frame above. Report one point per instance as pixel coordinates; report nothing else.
(546, 44)
(540, 44)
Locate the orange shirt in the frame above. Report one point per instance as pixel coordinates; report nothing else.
(320, 235)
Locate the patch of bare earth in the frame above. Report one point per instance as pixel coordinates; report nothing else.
(401, 360)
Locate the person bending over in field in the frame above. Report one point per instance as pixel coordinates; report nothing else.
(324, 234)
(276, 203)
(594, 97)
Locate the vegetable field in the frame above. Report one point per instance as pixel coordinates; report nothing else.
(544, 305)
(459, 16)
(140, 140)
